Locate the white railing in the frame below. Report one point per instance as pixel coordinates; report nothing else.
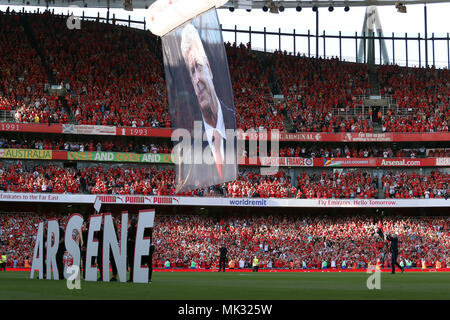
(7, 116)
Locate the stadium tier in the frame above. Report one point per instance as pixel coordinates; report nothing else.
(279, 242)
(113, 75)
(84, 89)
(304, 151)
(123, 180)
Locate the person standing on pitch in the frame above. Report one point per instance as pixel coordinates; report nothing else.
(223, 257)
(150, 266)
(98, 235)
(84, 239)
(147, 260)
(394, 251)
(60, 253)
(3, 262)
(131, 240)
(255, 264)
(44, 251)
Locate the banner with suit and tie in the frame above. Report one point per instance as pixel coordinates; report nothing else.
(201, 103)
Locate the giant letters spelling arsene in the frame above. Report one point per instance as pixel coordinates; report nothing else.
(110, 241)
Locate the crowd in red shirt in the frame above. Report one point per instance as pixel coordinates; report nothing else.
(424, 93)
(102, 179)
(23, 78)
(402, 185)
(253, 184)
(114, 76)
(95, 179)
(252, 95)
(327, 151)
(82, 146)
(314, 87)
(277, 241)
(359, 152)
(112, 73)
(352, 184)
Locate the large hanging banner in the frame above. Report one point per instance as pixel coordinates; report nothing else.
(200, 98)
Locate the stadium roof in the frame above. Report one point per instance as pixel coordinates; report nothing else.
(237, 4)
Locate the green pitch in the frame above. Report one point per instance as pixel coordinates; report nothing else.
(235, 285)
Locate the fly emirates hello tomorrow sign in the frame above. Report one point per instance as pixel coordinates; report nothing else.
(110, 243)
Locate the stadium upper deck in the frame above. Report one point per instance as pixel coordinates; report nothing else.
(113, 84)
(113, 76)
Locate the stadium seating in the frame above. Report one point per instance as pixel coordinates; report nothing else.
(98, 179)
(92, 145)
(327, 151)
(354, 152)
(425, 92)
(415, 185)
(313, 87)
(286, 241)
(114, 76)
(23, 78)
(359, 184)
(250, 80)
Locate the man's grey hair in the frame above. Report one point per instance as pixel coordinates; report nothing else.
(190, 37)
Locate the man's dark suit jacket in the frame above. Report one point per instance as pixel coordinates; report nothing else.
(394, 243)
(223, 252)
(193, 176)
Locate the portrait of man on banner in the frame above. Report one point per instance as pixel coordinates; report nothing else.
(208, 106)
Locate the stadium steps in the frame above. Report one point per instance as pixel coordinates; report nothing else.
(155, 46)
(377, 127)
(373, 81)
(276, 92)
(51, 77)
(72, 119)
(288, 123)
(26, 25)
(7, 116)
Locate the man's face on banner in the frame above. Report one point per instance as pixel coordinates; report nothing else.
(201, 76)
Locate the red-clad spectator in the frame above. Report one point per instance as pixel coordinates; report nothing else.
(282, 242)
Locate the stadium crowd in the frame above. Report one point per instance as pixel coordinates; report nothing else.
(415, 185)
(92, 145)
(350, 242)
(423, 92)
(359, 184)
(361, 152)
(113, 75)
(285, 242)
(303, 151)
(23, 80)
(99, 179)
(250, 82)
(314, 87)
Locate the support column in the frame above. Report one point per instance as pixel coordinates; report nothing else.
(426, 35)
(107, 13)
(295, 51)
(317, 33)
(265, 44)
